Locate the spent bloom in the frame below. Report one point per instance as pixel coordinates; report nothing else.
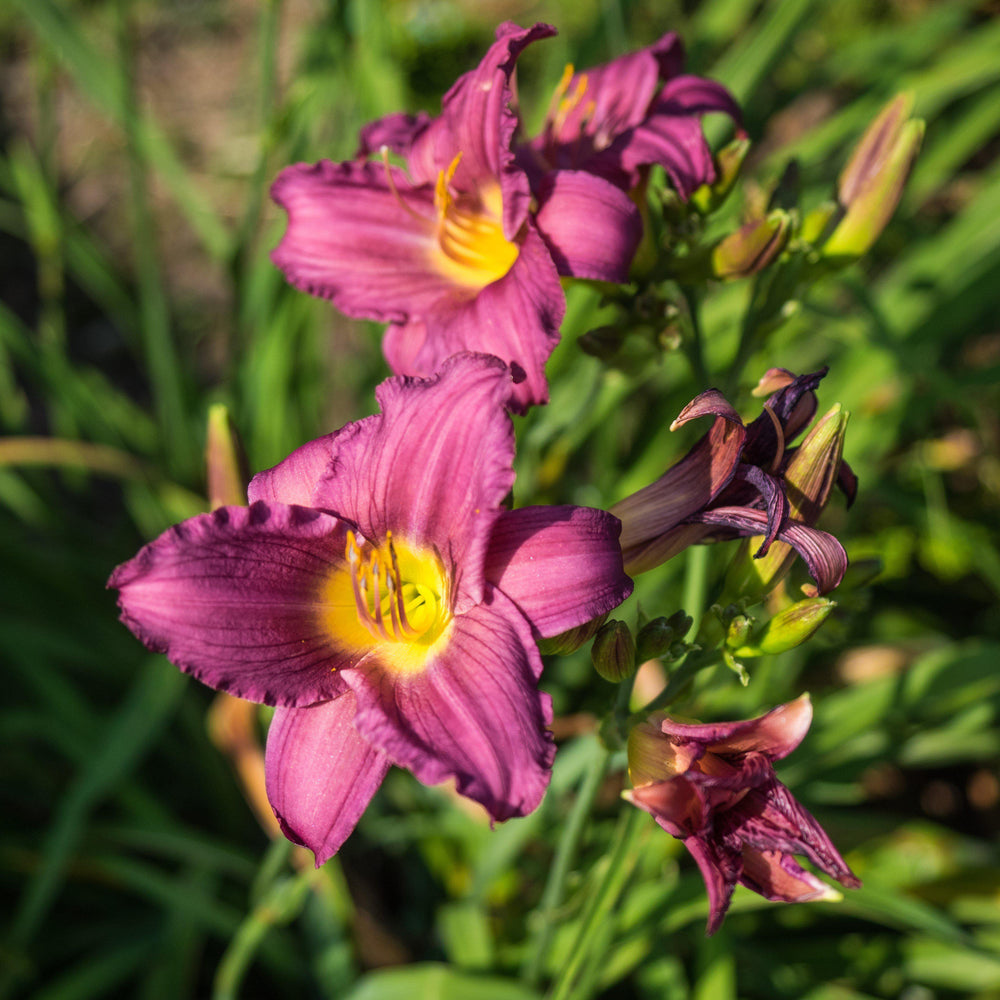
(639, 110)
(732, 483)
(455, 252)
(376, 593)
(713, 786)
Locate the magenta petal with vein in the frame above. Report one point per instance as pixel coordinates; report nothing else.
(378, 592)
(474, 713)
(320, 774)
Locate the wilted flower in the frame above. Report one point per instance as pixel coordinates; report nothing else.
(713, 786)
(376, 592)
(453, 253)
(731, 483)
(617, 119)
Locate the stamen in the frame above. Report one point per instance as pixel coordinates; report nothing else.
(780, 432)
(384, 154)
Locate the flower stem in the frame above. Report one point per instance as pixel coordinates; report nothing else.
(565, 852)
(601, 903)
(695, 350)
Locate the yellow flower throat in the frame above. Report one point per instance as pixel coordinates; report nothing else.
(390, 599)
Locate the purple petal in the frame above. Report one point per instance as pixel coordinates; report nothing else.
(694, 95)
(561, 566)
(794, 405)
(686, 487)
(675, 142)
(848, 482)
(770, 819)
(771, 491)
(474, 713)
(477, 120)
(396, 132)
(591, 227)
(780, 878)
(320, 773)
(355, 241)
(775, 734)
(232, 598)
(516, 319)
(823, 554)
(721, 869)
(676, 804)
(433, 468)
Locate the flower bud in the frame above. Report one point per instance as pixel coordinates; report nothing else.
(654, 640)
(816, 224)
(728, 163)
(571, 640)
(613, 652)
(603, 342)
(752, 247)
(790, 628)
(224, 461)
(872, 183)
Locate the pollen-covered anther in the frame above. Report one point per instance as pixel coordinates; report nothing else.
(471, 247)
(396, 599)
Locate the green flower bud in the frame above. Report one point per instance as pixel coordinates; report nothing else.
(728, 163)
(613, 652)
(224, 461)
(790, 628)
(571, 640)
(817, 222)
(752, 247)
(872, 183)
(654, 640)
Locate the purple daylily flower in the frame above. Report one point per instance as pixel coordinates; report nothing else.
(452, 252)
(377, 593)
(713, 786)
(617, 119)
(730, 484)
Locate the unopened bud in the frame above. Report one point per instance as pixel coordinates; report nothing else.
(738, 630)
(224, 461)
(613, 652)
(816, 223)
(790, 628)
(728, 163)
(603, 342)
(872, 183)
(752, 247)
(654, 640)
(571, 640)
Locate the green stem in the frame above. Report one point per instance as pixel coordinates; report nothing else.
(695, 584)
(695, 347)
(601, 904)
(565, 853)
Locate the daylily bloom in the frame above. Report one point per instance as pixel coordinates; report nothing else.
(453, 253)
(377, 593)
(713, 786)
(731, 484)
(617, 119)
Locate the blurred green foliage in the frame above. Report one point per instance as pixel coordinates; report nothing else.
(136, 146)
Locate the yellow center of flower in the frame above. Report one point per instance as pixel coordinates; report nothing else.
(565, 103)
(470, 247)
(390, 599)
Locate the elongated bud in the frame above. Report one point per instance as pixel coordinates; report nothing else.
(816, 223)
(224, 461)
(571, 640)
(728, 163)
(613, 652)
(809, 478)
(752, 247)
(872, 183)
(790, 628)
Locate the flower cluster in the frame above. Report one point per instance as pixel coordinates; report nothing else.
(378, 592)
(464, 249)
